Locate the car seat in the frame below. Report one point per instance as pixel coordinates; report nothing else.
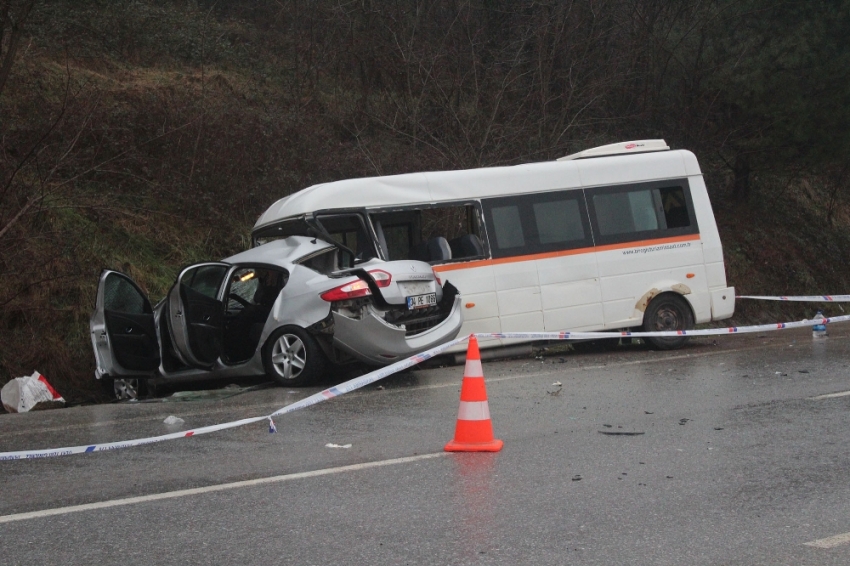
(468, 245)
(439, 249)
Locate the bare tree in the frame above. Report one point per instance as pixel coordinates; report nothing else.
(13, 14)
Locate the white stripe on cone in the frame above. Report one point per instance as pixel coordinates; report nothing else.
(473, 369)
(473, 411)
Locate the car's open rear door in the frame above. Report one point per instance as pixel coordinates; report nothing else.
(196, 313)
(122, 329)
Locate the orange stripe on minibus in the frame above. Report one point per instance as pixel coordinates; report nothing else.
(563, 253)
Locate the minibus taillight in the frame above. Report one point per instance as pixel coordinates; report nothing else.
(358, 288)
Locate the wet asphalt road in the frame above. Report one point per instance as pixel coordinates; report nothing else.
(737, 465)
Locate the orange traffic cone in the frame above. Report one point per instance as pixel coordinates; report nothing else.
(474, 431)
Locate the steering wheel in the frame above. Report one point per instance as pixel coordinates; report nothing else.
(239, 300)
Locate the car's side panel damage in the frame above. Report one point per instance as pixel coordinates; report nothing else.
(283, 308)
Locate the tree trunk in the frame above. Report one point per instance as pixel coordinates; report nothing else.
(741, 183)
(14, 21)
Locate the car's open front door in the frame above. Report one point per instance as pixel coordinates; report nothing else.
(196, 313)
(122, 329)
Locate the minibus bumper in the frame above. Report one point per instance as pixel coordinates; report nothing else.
(722, 303)
(374, 341)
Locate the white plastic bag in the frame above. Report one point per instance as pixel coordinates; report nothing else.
(24, 394)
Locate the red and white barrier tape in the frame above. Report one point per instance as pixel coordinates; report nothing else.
(383, 372)
(705, 332)
(801, 299)
(330, 393)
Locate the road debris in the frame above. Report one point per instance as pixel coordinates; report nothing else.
(210, 394)
(172, 420)
(620, 432)
(30, 393)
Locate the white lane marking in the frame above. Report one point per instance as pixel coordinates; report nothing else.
(830, 542)
(213, 488)
(831, 395)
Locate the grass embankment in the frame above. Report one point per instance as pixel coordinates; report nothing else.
(154, 153)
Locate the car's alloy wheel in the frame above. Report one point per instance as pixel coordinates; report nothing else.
(665, 313)
(292, 357)
(126, 389)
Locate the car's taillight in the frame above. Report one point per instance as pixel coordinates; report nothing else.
(351, 290)
(437, 277)
(382, 278)
(357, 288)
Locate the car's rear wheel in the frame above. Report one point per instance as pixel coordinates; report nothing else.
(292, 357)
(668, 312)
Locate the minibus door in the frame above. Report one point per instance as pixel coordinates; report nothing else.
(570, 295)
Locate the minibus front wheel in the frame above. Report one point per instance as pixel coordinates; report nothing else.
(668, 312)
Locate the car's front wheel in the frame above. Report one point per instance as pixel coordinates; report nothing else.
(668, 312)
(125, 389)
(292, 357)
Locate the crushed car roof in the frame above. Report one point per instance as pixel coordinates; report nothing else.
(280, 252)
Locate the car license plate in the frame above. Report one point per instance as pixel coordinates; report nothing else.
(421, 301)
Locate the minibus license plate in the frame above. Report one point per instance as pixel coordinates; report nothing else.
(421, 301)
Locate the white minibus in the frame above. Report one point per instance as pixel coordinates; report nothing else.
(614, 237)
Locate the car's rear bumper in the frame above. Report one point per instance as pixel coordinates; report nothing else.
(373, 340)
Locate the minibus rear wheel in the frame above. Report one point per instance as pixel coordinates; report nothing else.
(666, 312)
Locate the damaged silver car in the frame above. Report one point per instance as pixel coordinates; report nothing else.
(288, 309)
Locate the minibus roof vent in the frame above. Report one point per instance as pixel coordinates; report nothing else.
(640, 146)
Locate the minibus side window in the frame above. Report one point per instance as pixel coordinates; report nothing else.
(558, 221)
(641, 212)
(618, 213)
(433, 234)
(398, 238)
(507, 227)
(349, 230)
(537, 223)
(675, 207)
